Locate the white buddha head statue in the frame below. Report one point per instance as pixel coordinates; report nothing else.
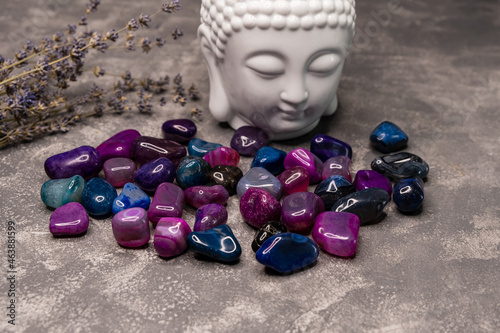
(275, 64)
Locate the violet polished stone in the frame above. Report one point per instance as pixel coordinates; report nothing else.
(248, 139)
(152, 174)
(170, 238)
(295, 179)
(84, 161)
(299, 211)
(118, 145)
(131, 227)
(98, 196)
(370, 178)
(367, 204)
(332, 189)
(222, 156)
(306, 159)
(325, 147)
(145, 149)
(198, 196)
(209, 216)
(119, 171)
(338, 165)
(257, 206)
(227, 176)
(70, 219)
(179, 130)
(168, 201)
(261, 178)
(337, 233)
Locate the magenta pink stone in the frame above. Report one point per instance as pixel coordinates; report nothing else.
(118, 145)
(70, 219)
(131, 227)
(145, 149)
(369, 178)
(308, 160)
(299, 211)
(119, 171)
(257, 206)
(170, 238)
(338, 165)
(222, 156)
(295, 179)
(198, 196)
(337, 233)
(168, 201)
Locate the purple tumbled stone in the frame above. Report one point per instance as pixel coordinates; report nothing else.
(198, 196)
(69, 220)
(369, 178)
(131, 227)
(84, 161)
(168, 201)
(257, 206)
(338, 165)
(337, 233)
(222, 156)
(248, 139)
(325, 147)
(295, 179)
(152, 174)
(118, 145)
(119, 171)
(299, 211)
(209, 216)
(170, 238)
(145, 149)
(308, 160)
(179, 130)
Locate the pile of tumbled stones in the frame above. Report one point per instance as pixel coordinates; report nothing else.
(209, 175)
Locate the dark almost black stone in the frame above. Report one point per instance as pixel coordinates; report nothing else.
(401, 165)
(367, 204)
(408, 195)
(227, 176)
(332, 189)
(265, 232)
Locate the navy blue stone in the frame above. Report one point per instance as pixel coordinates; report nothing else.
(270, 159)
(367, 204)
(131, 196)
(179, 130)
(287, 252)
(98, 197)
(218, 243)
(265, 232)
(192, 171)
(152, 174)
(198, 147)
(408, 195)
(400, 165)
(325, 147)
(388, 137)
(332, 189)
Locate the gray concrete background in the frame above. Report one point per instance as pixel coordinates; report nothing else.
(434, 69)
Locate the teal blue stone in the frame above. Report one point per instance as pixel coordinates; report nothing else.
(98, 197)
(131, 196)
(198, 147)
(270, 159)
(218, 243)
(58, 192)
(192, 171)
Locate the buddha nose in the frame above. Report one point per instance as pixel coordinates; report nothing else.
(295, 94)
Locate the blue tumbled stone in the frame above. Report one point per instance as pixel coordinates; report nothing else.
(326, 147)
(261, 178)
(198, 147)
(270, 159)
(408, 195)
(192, 171)
(58, 192)
(287, 252)
(218, 243)
(388, 137)
(131, 196)
(98, 197)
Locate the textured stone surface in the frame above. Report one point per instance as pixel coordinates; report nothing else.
(257, 206)
(192, 171)
(131, 196)
(209, 216)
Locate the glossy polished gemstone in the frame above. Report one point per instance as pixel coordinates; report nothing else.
(118, 145)
(218, 243)
(227, 176)
(119, 171)
(387, 137)
(131, 227)
(168, 201)
(270, 159)
(367, 204)
(257, 206)
(58, 192)
(198, 196)
(332, 189)
(295, 179)
(299, 211)
(192, 171)
(145, 149)
(326, 147)
(408, 195)
(198, 147)
(70, 219)
(261, 178)
(338, 165)
(303, 157)
(131, 196)
(209, 216)
(84, 161)
(98, 197)
(152, 174)
(370, 178)
(401, 165)
(247, 140)
(337, 233)
(222, 156)
(179, 130)
(265, 232)
(287, 252)
(170, 238)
